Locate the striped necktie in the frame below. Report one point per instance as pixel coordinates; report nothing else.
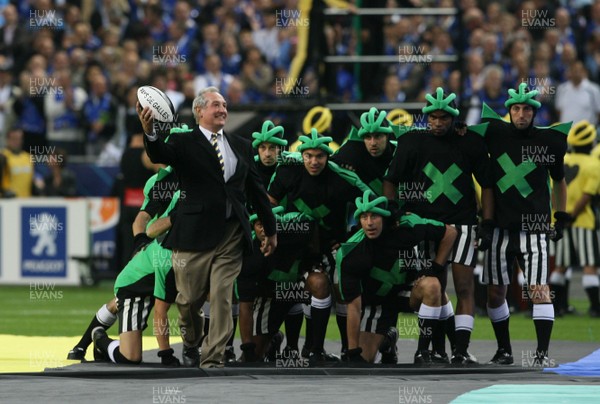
(213, 141)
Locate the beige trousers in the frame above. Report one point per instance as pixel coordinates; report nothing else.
(197, 274)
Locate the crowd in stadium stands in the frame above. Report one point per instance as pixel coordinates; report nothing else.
(68, 69)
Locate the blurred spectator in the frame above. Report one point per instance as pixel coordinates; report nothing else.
(213, 76)
(410, 74)
(519, 70)
(18, 173)
(83, 37)
(454, 85)
(62, 110)
(563, 25)
(182, 14)
(230, 55)
(546, 87)
(474, 77)
(592, 58)
(492, 93)
(60, 181)
(182, 44)
(490, 50)
(442, 43)
(236, 94)
(78, 61)
(578, 99)
(29, 107)
(256, 75)
(266, 38)
(153, 19)
(60, 61)
(493, 16)
(392, 91)
(184, 111)
(160, 80)
(8, 93)
(13, 38)
(109, 13)
(211, 39)
(128, 121)
(475, 44)
(126, 74)
(99, 115)
(568, 57)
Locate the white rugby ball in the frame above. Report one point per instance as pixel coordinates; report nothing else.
(159, 103)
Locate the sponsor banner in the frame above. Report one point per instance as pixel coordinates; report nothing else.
(44, 241)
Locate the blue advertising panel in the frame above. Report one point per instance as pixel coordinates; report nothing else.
(44, 241)
(104, 217)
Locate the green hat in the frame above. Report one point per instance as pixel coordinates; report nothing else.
(371, 203)
(522, 97)
(276, 210)
(315, 141)
(269, 133)
(439, 103)
(372, 123)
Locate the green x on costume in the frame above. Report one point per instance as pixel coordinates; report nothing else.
(324, 197)
(295, 254)
(434, 174)
(378, 269)
(522, 163)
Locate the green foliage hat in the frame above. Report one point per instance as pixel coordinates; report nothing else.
(315, 141)
(371, 203)
(269, 133)
(439, 103)
(372, 122)
(522, 97)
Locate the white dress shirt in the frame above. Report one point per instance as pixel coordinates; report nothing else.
(229, 157)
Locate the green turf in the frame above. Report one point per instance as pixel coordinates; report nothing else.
(66, 311)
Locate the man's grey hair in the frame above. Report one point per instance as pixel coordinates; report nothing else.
(201, 101)
(492, 69)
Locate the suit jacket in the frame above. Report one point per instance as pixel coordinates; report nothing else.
(199, 220)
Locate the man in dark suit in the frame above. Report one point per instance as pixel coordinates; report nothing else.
(210, 229)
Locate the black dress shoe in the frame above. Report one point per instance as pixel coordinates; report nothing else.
(191, 357)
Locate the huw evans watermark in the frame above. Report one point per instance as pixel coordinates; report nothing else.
(537, 19)
(538, 155)
(167, 55)
(413, 54)
(291, 292)
(44, 291)
(414, 191)
(288, 87)
(42, 86)
(290, 359)
(45, 19)
(413, 395)
(167, 394)
(45, 155)
(290, 18)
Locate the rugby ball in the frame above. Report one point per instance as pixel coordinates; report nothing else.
(159, 103)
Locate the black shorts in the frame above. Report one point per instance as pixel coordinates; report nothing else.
(578, 247)
(378, 318)
(269, 315)
(246, 289)
(133, 312)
